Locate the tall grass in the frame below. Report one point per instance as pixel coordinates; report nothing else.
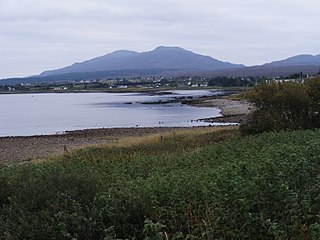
(168, 143)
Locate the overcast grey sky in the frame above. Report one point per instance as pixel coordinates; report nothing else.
(37, 35)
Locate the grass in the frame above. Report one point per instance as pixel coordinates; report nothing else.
(194, 185)
(198, 136)
(236, 96)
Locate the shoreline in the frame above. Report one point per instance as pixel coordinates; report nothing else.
(232, 111)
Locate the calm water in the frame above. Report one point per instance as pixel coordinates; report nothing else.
(37, 114)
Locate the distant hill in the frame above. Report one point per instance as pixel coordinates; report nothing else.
(263, 70)
(299, 60)
(305, 63)
(173, 58)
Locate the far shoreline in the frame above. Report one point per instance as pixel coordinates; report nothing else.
(128, 90)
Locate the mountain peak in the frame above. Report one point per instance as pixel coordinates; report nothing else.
(122, 53)
(168, 48)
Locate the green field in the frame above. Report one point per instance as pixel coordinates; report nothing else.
(196, 185)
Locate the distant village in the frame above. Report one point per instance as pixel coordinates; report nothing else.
(145, 83)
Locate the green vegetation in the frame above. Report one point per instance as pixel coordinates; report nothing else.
(224, 81)
(180, 186)
(284, 106)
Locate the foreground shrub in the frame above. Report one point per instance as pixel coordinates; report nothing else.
(284, 106)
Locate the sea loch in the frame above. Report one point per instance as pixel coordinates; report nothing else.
(43, 114)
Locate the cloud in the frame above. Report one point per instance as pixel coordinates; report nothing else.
(36, 35)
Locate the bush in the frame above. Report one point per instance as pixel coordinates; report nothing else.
(284, 106)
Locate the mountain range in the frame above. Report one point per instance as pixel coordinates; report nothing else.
(168, 61)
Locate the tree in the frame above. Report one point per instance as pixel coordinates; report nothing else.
(314, 94)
